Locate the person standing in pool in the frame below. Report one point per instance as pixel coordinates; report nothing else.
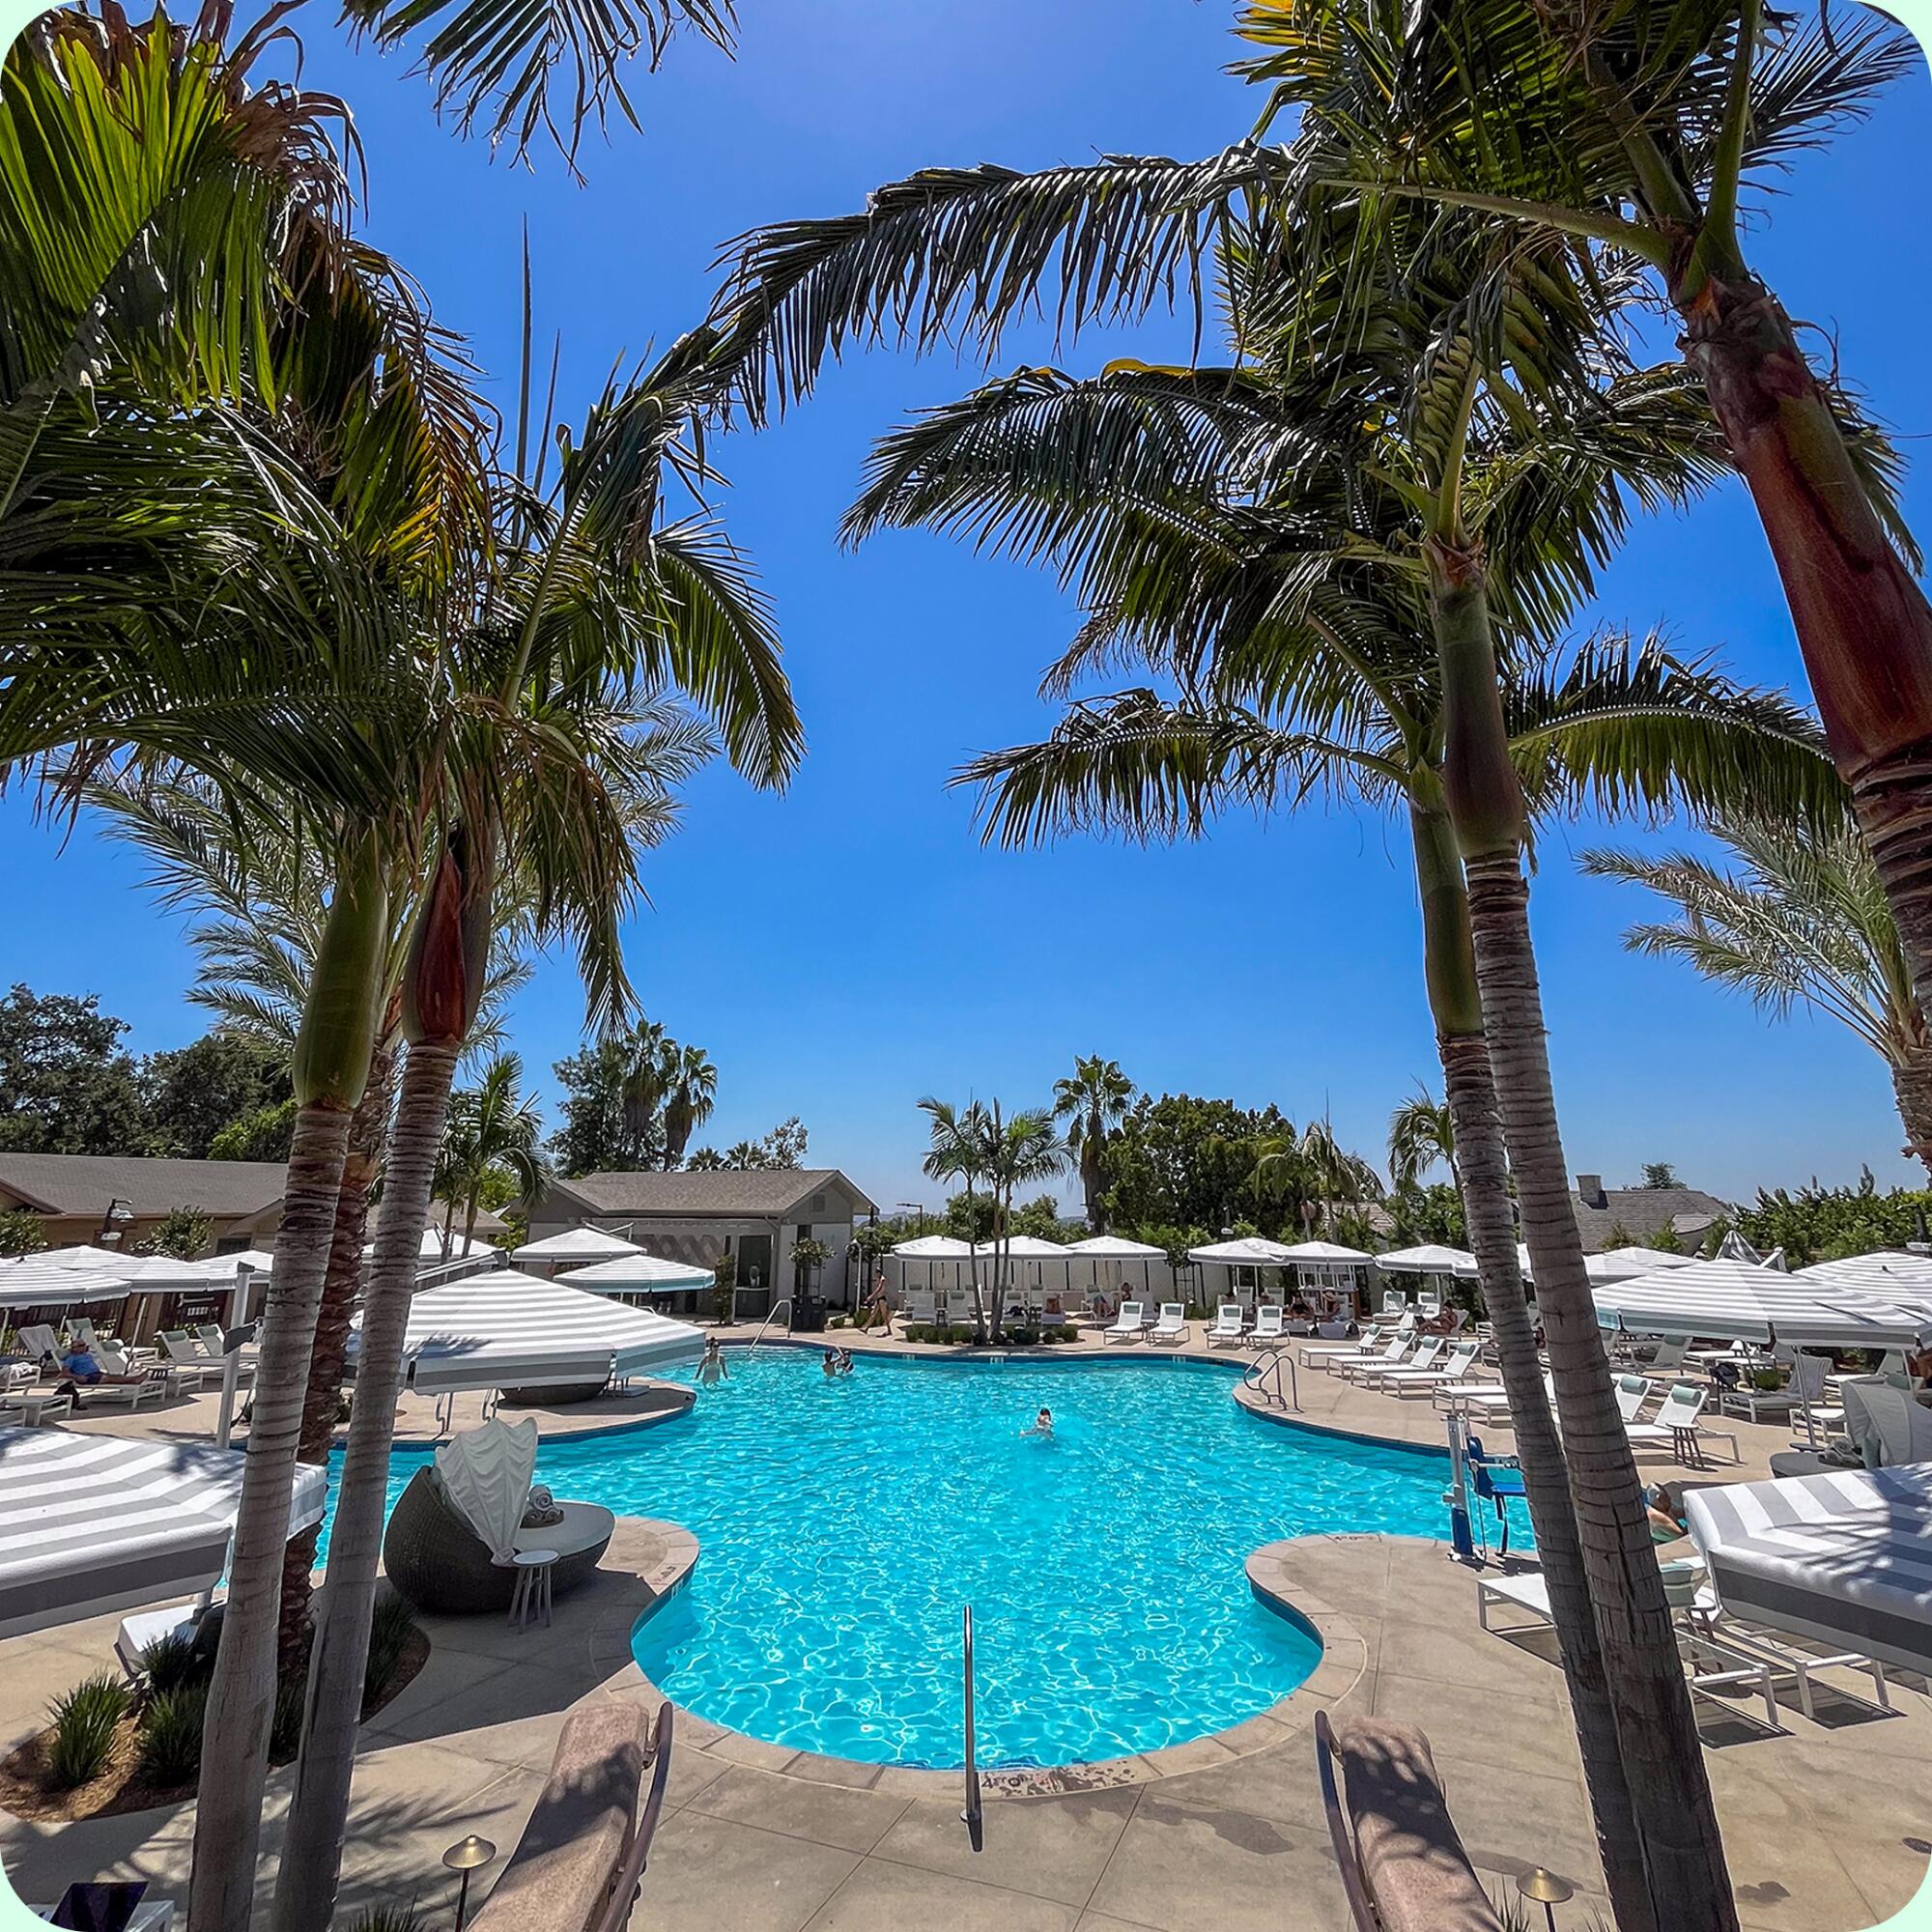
(1042, 1424)
(712, 1370)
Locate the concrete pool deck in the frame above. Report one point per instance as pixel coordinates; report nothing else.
(1827, 1827)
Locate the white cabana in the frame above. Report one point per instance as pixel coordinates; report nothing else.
(35, 1282)
(91, 1523)
(1734, 1302)
(937, 1257)
(1246, 1254)
(1099, 1256)
(1327, 1267)
(577, 1245)
(506, 1329)
(638, 1273)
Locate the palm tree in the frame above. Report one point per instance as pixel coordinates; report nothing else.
(1641, 137)
(1802, 920)
(693, 1096)
(1314, 1166)
(188, 589)
(1023, 1150)
(651, 1056)
(589, 592)
(958, 1152)
(952, 251)
(1093, 1102)
(492, 1129)
(1422, 1132)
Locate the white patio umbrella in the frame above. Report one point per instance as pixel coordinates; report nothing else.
(930, 1251)
(638, 1274)
(1430, 1257)
(91, 1524)
(1622, 1263)
(1248, 1251)
(577, 1244)
(164, 1272)
(1892, 1274)
(506, 1329)
(33, 1281)
(1734, 1302)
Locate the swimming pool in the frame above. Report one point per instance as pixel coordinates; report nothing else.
(841, 1525)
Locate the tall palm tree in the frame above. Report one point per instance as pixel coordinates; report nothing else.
(1016, 1150)
(187, 587)
(958, 1152)
(492, 1129)
(1795, 918)
(651, 1056)
(1421, 1133)
(1093, 1102)
(1642, 135)
(693, 1094)
(1313, 1166)
(590, 591)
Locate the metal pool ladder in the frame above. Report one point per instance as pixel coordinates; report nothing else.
(776, 1306)
(1265, 1379)
(973, 1818)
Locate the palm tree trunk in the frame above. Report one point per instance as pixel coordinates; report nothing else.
(1863, 624)
(242, 1699)
(1911, 1088)
(1482, 1177)
(1657, 1730)
(973, 1265)
(318, 1812)
(368, 1131)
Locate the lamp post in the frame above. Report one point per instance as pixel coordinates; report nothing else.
(465, 1856)
(1546, 1889)
(119, 1214)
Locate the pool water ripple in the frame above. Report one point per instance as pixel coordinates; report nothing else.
(843, 1524)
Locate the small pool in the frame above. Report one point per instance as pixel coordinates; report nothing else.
(841, 1526)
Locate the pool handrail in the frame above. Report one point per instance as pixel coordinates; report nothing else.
(1269, 1367)
(785, 1301)
(974, 1816)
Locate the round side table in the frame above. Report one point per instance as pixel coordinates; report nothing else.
(531, 1597)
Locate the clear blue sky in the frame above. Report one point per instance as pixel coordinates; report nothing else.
(1271, 963)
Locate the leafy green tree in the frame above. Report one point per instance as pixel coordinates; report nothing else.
(23, 1231)
(1660, 1173)
(1189, 1163)
(1418, 1213)
(1818, 1224)
(1794, 917)
(1091, 1102)
(184, 1233)
(193, 1092)
(265, 1134)
(65, 1086)
(1015, 1151)
(967, 1216)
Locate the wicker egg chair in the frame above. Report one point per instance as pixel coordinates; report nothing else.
(440, 1564)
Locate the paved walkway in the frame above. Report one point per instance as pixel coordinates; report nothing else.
(1828, 1826)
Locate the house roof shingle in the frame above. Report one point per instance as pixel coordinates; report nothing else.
(1641, 1213)
(84, 1184)
(763, 1193)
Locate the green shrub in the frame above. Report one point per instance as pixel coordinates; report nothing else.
(391, 1627)
(388, 1918)
(84, 1721)
(837, 1321)
(171, 1736)
(172, 1661)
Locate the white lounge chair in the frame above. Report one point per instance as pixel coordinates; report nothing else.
(1678, 1425)
(921, 1309)
(1127, 1324)
(1229, 1328)
(40, 1342)
(1170, 1330)
(1398, 1349)
(34, 1405)
(1313, 1355)
(186, 1357)
(1267, 1324)
(1420, 1380)
(1632, 1392)
(1370, 1375)
(1711, 1662)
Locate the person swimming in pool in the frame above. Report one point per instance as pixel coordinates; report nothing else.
(712, 1370)
(1042, 1424)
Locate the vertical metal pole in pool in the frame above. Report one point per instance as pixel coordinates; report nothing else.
(1458, 1499)
(972, 1817)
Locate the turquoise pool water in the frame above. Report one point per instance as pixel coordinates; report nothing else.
(843, 1524)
